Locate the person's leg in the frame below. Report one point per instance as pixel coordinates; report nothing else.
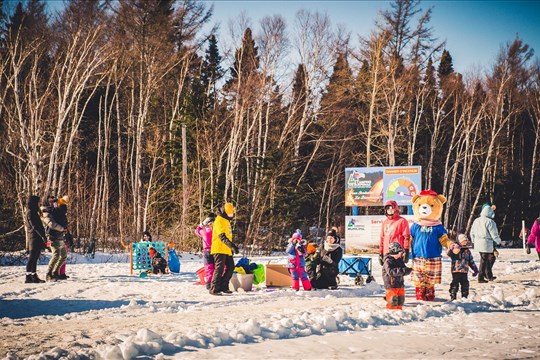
(454, 286)
(55, 255)
(295, 279)
(306, 284)
(464, 286)
(482, 269)
(62, 270)
(31, 265)
(489, 272)
(219, 265)
(61, 258)
(538, 252)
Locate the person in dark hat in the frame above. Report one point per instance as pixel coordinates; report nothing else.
(37, 239)
(146, 236)
(393, 272)
(328, 269)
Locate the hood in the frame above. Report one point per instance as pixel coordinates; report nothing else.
(395, 206)
(487, 211)
(33, 203)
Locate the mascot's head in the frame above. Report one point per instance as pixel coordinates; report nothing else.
(428, 205)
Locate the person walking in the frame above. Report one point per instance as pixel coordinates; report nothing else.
(55, 235)
(484, 235)
(222, 249)
(534, 238)
(395, 228)
(37, 239)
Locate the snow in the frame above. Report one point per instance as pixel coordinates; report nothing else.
(104, 312)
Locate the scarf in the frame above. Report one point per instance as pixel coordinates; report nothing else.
(427, 222)
(330, 247)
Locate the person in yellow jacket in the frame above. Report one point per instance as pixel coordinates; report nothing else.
(222, 249)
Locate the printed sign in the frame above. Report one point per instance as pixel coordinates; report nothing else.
(373, 186)
(362, 233)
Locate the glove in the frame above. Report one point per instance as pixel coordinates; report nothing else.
(475, 273)
(406, 257)
(327, 259)
(381, 259)
(528, 247)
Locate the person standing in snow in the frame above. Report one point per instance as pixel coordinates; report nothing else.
(222, 249)
(328, 268)
(37, 239)
(462, 260)
(395, 228)
(393, 272)
(296, 264)
(204, 231)
(484, 235)
(55, 235)
(534, 238)
(60, 214)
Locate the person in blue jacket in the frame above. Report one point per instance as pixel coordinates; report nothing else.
(484, 235)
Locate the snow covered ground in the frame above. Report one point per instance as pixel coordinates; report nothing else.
(104, 312)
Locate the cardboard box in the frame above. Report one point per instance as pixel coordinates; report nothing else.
(277, 275)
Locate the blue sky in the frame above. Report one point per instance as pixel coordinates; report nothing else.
(474, 30)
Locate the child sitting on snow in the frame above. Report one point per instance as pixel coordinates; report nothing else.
(462, 259)
(297, 252)
(393, 271)
(159, 264)
(312, 260)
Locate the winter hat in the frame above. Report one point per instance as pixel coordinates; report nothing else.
(395, 248)
(311, 248)
(64, 200)
(151, 251)
(209, 220)
(462, 238)
(297, 235)
(229, 209)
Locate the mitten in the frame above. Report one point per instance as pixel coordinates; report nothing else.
(455, 248)
(327, 259)
(381, 259)
(475, 273)
(406, 258)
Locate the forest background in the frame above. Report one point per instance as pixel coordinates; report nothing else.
(131, 109)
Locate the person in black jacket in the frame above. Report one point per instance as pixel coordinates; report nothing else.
(393, 271)
(37, 239)
(55, 234)
(328, 268)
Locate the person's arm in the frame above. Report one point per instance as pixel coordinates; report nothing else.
(491, 227)
(50, 223)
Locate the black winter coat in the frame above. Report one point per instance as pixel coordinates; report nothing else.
(36, 229)
(393, 271)
(327, 272)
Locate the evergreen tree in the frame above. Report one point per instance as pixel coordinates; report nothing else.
(446, 66)
(246, 59)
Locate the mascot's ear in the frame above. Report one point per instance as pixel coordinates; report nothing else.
(442, 198)
(416, 197)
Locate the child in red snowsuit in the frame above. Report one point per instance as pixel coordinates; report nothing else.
(297, 263)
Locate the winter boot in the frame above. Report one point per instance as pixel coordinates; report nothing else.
(420, 293)
(62, 277)
(453, 296)
(306, 284)
(29, 279)
(296, 285)
(57, 276)
(36, 279)
(430, 293)
(50, 277)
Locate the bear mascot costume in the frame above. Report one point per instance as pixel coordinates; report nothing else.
(428, 236)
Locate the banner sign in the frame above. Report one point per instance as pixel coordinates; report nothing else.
(362, 233)
(373, 186)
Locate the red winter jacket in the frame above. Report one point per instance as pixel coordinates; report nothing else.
(395, 228)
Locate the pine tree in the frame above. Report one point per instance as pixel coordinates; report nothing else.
(445, 65)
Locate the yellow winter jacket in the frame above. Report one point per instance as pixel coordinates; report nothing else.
(221, 226)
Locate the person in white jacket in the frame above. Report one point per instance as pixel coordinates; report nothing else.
(484, 234)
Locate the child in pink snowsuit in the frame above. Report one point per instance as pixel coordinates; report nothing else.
(204, 230)
(297, 263)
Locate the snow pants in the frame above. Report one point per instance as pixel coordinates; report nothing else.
(209, 266)
(298, 274)
(486, 264)
(395, 298)
(459, 278)
(58, 257)
(223, 271)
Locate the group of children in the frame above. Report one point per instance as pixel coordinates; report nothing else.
(394, 270)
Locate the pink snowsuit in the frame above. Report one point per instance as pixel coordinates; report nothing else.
(205, 232)
(534, 237)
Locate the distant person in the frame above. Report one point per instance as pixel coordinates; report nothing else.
(55, 236)
(37, 241)
(395, 228)
(159, 264)
(534, 238)
(484, 235)
(204, 231)
(328, 268)
(393, 272)
(60, 214)
(462, 260)
(222, 249)
(147, 237)
(297, 262)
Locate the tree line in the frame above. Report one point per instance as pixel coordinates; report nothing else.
(135, 110)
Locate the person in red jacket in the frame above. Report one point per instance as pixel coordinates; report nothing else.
(395, 228)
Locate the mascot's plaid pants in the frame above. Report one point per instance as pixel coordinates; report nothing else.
(426, 272)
